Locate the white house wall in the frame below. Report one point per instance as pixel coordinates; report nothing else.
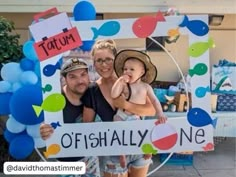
(123, 6)
(22, 12)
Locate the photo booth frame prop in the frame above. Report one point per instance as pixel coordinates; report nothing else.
(192, 132)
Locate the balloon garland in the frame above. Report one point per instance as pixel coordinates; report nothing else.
(21, 88)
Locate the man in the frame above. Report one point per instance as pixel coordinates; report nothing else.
(76, 80)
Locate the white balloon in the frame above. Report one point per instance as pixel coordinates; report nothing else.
(33, 130)
(28, 77)
(11, 72)
(14, 126)
(39, 143)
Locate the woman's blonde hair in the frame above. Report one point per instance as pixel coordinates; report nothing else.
(104, 44)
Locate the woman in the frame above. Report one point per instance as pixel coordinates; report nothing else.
(97, 100)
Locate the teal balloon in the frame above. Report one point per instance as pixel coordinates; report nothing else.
(28, 78)
(11, 72)
(5, 86)
(29, 51)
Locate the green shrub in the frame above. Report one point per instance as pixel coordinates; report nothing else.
(10, 48)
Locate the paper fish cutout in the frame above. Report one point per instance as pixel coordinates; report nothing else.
(199, 118)
(53, 103)
(198, 48)
(47, 88)
(197, 27)
(172, 35)
(208, 147)
(109, 28)
(199, 69)
(50, 69)
(173, 32)
(144, 26)
(55, 124)
(53, 149)
(201, 91)
(148, 149)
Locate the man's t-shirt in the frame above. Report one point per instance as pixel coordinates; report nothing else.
(71, 114)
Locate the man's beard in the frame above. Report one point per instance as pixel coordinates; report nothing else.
(79, 91)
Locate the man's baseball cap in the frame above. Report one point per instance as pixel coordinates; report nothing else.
(72, 64)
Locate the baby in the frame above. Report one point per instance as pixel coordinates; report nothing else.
(135, 72)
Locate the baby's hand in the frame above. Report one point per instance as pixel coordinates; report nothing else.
(126, 78)
(162, 118)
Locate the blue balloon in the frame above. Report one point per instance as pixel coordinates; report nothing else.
(27, 64)
(5, 86)
(4, 103)
(33, 130)
(21, 147)
(11, 72)
(83, 11)
(29, 51)
(9, 136)
(87, 45)
(28, 77)
(21, 104)
(14, 126)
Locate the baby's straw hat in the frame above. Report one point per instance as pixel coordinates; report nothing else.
(150, 69)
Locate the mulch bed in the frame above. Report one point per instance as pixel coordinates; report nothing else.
(5, 157)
